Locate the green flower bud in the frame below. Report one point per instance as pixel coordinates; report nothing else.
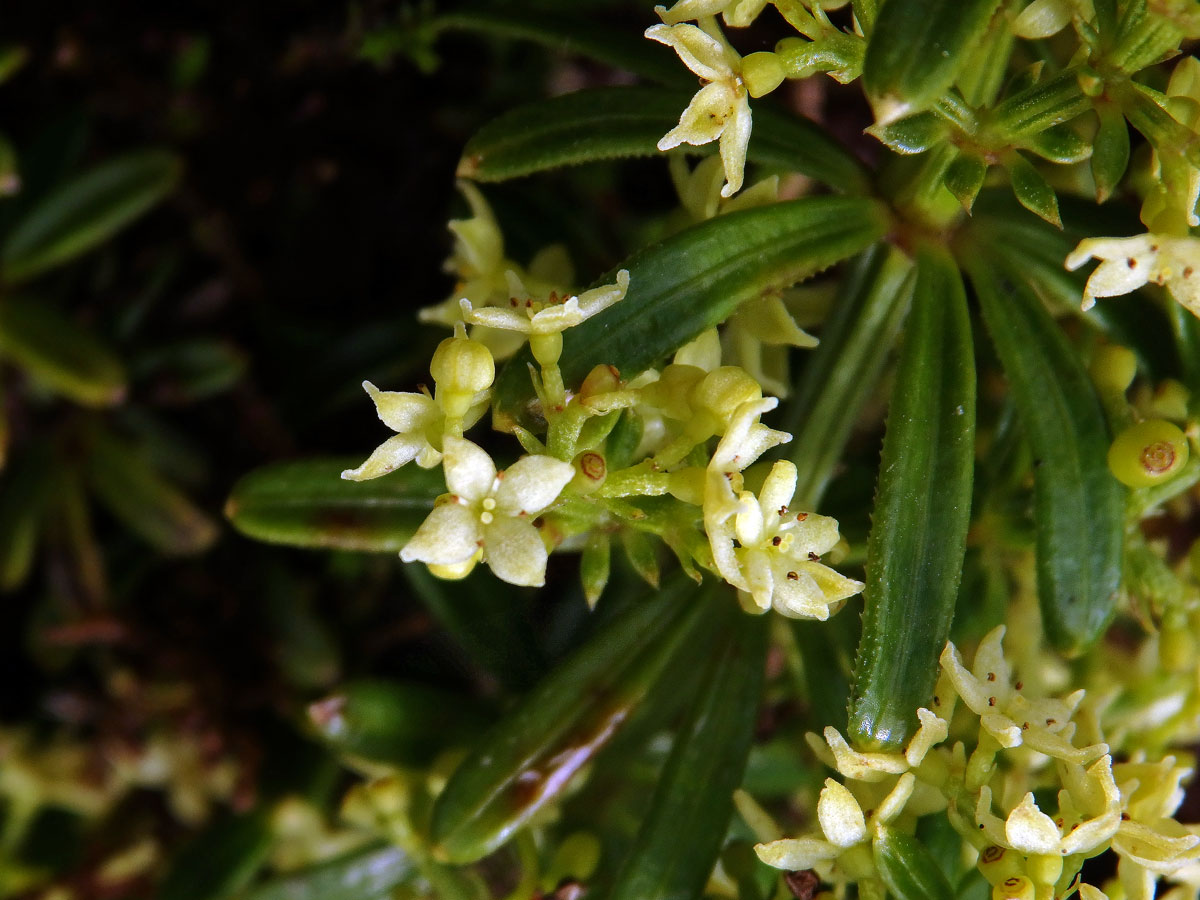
(462, 366)
(723, 390)
(1114, 367)
(1150, 452)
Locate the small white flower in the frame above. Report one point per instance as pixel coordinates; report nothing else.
(840, 816)
(488, 512)
(1005, 713)
(1128, 263)
(418, 421)
(553, 315)
(737, 13)
(721, 109)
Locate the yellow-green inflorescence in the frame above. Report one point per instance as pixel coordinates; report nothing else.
(1025, 780)
(700, 424)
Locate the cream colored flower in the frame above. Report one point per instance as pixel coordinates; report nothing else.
(1128, 263)
(1149, 843)
(488, 512)
(874, 767)
(552, 315)
(1005, 713)
(843, 823)
(417, 419)
(721, 109)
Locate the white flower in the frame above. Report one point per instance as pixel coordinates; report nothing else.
(1128, 263)
(720, 109)
(488, 512)
(874, 767)
(550, 316)
(418, 421)
(1005, 713)
(776, 558)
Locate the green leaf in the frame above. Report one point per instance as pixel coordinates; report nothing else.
(1078, 505)
(368, 874)
(922, 511)
(681, 835)
(488, 619)
(87, 211)
(1059, 144)
(396, 723)
(221, 859)
(23, 494)
(308, 504)
(135, 493)
(1032, 190)
(1041, 106)
(916, 50)
(606, 123)
(696, 279)
(907, 867)
(912, 134)
(527, 760)
(1110, 153)
(60, 354)
(964, 178)
(844, 369)
(566, 34)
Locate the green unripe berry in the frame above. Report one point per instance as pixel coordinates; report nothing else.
(1148, 453)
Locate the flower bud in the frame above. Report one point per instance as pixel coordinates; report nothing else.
(723, 390)
(762, 73)
(462, 366)
(1148, 453)
(1114, 367)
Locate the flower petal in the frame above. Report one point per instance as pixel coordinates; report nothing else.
(1030, 830)
(735, 139)
(450, 534)
(703, 120)
(405, 413)
(387, 457)
(515, 552)
(531, 484)
(796, 854)
(777, 490)
(470, 472)
(700, 52)
(840, 816)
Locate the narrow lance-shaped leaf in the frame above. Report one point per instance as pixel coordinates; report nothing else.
(922, 510)
(87, 211)
(606, 123)
(396, 723)
(681, 836)
(141, 498)
(362, 875)
(696, 279)
(529, 758)
(307, 504)
(845, 368)
(916, 50)
(1078, 505)
(1032, 190)
(908, 868)
(221, 859)
(23, 494)
(59, 353)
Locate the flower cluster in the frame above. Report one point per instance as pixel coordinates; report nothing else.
(697, 426)
(1029, 804)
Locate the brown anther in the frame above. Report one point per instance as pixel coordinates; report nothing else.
(1052, 721)
(991, 701)
(776, 541)
(538, 522)
(1154, 248)
(793, 576)
(937, 701)
(813, 556)
(1124, 817)
(1019, 685)
(1188, 271)
(1131, 262)
(512, 301)
(800, 517)
(981, 826)
(991, 676)
(1024, 726)
(529, 304)
(783, 510)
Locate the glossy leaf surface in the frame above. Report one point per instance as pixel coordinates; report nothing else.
(1078, 505)
(922, 511)
(307, 504)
